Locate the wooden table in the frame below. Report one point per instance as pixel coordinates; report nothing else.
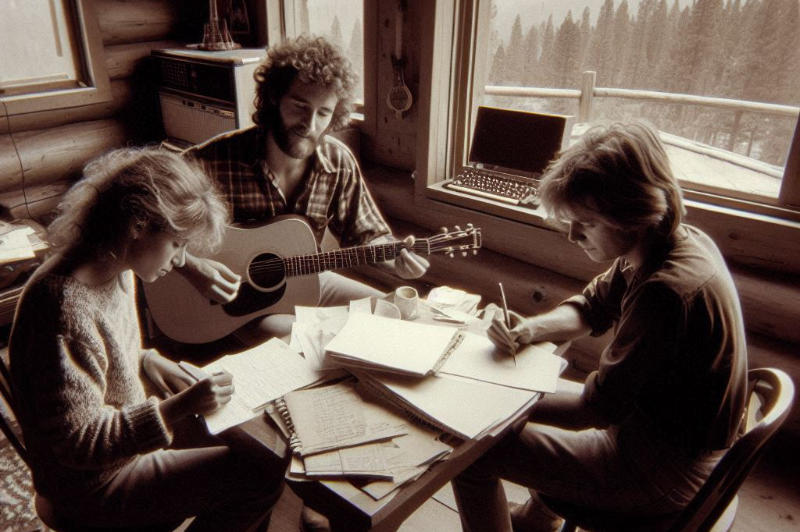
(350, 509)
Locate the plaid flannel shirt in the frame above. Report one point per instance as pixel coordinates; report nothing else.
(333, 195)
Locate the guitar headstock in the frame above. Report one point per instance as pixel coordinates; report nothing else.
(451, 242)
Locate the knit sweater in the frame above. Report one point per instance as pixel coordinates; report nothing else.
(75, 354)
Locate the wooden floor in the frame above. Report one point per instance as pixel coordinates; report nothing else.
(769, 501)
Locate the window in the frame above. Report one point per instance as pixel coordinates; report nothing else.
(719, 79)
(52, 56)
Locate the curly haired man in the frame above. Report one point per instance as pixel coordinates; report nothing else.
(288, 164)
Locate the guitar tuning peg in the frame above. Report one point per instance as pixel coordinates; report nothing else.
(469, 225)
(474, 251)
(450, 255)
(463, 253)
(458, 228)
(443, 229)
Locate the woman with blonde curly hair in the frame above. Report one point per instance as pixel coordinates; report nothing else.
(98, 444)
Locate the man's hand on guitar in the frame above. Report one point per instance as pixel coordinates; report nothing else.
(409, 265)
(212, 279)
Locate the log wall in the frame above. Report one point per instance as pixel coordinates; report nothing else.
(42, 153)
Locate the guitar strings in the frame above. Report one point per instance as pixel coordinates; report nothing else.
(351, 255)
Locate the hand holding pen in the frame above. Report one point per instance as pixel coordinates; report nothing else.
(501, 331)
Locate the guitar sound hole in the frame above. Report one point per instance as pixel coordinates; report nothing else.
(267, 271)
(267, 274)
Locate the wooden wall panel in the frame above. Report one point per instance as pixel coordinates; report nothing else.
(55, 154)
(121, 59)
(121, 92)
(125, 21)
(10, 169)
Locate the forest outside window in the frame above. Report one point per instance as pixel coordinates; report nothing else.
(720, 79)
(52, 56)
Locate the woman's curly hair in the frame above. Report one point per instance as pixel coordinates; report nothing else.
(147, 188)
(312, 60)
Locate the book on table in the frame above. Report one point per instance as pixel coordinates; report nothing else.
(368, 342)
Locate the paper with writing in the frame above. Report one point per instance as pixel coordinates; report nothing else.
(537, 368)
(335, 416)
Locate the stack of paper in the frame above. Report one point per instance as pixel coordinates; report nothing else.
(376, 343)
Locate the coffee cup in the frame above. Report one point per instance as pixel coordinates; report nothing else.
(407, 300)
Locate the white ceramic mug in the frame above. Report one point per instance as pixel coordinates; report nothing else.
(407, 300)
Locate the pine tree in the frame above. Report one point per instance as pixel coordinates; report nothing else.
(531, 65)
(515, 59)
(566, 54)
(546, 60)
(356, 53)
(497, 72)
(336, 32)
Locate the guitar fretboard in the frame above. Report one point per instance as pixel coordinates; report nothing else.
(346, 258)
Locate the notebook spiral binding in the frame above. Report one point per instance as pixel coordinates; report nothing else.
(294, 442)
(451, 348)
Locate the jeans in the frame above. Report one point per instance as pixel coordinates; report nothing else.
(620, 469)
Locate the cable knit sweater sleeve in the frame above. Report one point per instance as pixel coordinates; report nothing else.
(75, 355)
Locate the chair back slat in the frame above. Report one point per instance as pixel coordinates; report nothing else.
(772, 396)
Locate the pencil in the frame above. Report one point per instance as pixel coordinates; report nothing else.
(507, 317)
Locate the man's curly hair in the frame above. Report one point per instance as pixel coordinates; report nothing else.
(313, 60)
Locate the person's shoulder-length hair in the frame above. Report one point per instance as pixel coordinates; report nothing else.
(622, 173)
(313, 60)
(144, 188)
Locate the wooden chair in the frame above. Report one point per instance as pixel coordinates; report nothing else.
(714, 506)
(44, 508)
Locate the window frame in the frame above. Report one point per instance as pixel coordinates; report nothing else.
(97, 87)
(453, 53)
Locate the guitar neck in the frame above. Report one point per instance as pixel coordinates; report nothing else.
(348, 257)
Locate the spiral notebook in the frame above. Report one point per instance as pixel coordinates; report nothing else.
(333, 417)
(375, 342)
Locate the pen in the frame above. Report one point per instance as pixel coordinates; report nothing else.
(508, 320)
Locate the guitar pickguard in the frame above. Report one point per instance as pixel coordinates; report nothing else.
(251, 300)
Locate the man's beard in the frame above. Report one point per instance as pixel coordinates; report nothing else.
(296, 147)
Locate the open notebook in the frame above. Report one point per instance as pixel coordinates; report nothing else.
(369, 342)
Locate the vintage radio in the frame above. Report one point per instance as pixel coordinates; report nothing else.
(204, 93)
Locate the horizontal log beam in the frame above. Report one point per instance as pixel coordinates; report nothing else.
(54, 154)
(122, 21)
(36, 202)
(122, 59)
(122, 95)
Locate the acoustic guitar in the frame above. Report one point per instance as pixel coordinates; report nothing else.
(278, 263)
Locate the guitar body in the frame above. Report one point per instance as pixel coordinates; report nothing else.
(183, 314)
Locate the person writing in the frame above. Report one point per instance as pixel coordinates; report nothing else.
(668, 395)
(288, 164)
(98, 444)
